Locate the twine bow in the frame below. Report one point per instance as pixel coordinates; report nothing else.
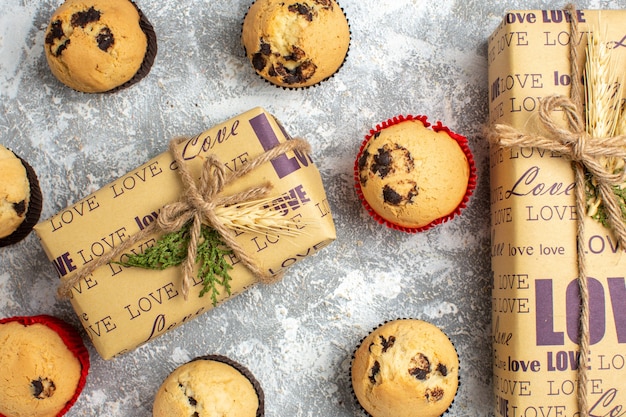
(197, 205)
(585, 153)
(575, 144)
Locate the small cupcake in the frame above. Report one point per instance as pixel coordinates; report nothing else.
(44, 366)
(411, 177)
(210, 386)
(97, 46)
(20, 198)
(405, 368)
(296, 44)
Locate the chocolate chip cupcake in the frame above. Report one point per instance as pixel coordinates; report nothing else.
(97, 46)
(405, 368)
(44, 366)
(410, 176)
(210, 386)
(20, 198)
(296, 44)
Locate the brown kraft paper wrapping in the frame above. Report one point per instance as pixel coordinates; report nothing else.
(535, 303)
(122, 308)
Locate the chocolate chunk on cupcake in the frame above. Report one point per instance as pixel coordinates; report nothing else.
(296, 44)
(410, 176)
(210, 386)
(405, 368)
(20, 198)
(44, 366)
(97, 46)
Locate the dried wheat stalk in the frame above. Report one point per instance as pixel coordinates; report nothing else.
(605, 114)
(258, 217)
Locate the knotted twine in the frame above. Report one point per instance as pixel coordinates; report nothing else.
(197, 205)
(585, 152)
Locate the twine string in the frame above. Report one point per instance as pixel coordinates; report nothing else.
(197, 205)
(577, 122)
(574, 143)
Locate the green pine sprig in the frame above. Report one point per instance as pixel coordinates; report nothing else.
(213, 266)
(171, 250)
(599, 214)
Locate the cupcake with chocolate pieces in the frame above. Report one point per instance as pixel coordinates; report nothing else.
(296, 44)
(44, 366)
(20, 198)
(210, 386)
(97, 46)
(405, 368)
(411, 176)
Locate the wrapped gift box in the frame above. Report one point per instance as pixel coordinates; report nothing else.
(123, 307)
(533, 223)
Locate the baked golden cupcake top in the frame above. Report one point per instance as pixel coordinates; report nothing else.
(40, 375)
(411, 175)
(208, 388)
(405, 368)
(294, 43)
(94, 46)
(14, 192)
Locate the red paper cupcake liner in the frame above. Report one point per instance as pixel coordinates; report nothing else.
(437, 127)
(72, 340)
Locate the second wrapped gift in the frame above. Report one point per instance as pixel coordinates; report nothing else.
(244, 178)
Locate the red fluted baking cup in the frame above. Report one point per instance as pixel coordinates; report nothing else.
(72, 340)
(437, 127)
